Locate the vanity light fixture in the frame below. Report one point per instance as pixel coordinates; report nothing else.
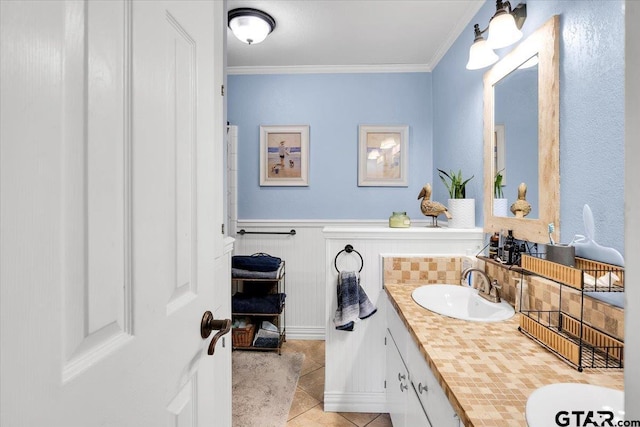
(480, 54)
(504, 30)
(249, 25)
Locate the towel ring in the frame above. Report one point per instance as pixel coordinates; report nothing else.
(348, 249)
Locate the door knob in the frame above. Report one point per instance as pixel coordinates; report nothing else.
(209, 324)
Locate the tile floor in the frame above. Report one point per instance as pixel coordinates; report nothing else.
(307, 407)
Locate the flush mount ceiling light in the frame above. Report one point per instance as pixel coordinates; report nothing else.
(504, 30)
(250, 26)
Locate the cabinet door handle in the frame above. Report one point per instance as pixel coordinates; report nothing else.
(403, 387)
(401, 377)
(420, 388)
(208, 324)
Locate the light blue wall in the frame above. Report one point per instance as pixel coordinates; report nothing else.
(333, 105)
(591, 112)
(444, 112)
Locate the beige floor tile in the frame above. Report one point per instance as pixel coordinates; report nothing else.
(382, 420)
(313, 350)
(309, 365)
(311, 362)
(360, 419)
(294, 346)
(307, 409)
(302, 402)
(316, 417)
(313, 383)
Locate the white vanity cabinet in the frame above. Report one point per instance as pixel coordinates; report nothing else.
(396, 383)
(431, 396)
(403, 405)
(414, 397)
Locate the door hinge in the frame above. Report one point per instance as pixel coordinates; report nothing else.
(385, 340)
(222, 90)
(385, 383)
(222, 228)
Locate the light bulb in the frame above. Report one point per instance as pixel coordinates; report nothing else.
(480, 55)
(503, 31)
(249, 29)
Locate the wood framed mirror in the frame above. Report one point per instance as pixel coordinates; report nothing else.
(507, 76)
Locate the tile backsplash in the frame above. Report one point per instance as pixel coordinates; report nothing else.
(544, 294)
(415, 270)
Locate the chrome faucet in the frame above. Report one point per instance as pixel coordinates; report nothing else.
(491, 289)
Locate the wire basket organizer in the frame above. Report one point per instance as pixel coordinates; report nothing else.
(568, 336)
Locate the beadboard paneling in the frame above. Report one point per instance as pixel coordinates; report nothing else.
(305, 276)
(355, 360)
(307, 262)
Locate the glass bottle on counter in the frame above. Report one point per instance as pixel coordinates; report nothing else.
(494, 242)
(399, 220)
(509, 248)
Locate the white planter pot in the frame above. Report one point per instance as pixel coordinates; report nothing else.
(500, 207)
(463, 213)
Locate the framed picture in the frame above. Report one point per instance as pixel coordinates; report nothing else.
(383, 155)
(284, 155)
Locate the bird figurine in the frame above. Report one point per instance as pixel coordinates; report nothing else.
(430, 207)
(521, 208)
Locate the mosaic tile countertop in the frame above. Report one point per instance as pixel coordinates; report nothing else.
(487, 370)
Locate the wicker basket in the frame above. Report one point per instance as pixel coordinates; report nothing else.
(243, 337)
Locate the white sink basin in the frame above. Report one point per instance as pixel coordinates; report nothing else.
(573, 404)
(461, 302)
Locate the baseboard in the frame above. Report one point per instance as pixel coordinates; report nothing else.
(305, 333)
(374, 402)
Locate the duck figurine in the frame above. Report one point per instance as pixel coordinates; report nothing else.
(431, 208)
(521, 208)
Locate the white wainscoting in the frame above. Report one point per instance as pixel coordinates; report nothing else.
(355, 361)
(307, 263)
(304, 255)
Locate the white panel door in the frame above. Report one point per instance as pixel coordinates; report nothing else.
(110, 213)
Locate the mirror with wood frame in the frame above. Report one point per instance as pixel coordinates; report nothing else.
(543, 44)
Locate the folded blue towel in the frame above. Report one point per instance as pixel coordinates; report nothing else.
(266, 342)
(353, 302)
(238, 273)
(255, 262)
(268, 335)
(264, 304)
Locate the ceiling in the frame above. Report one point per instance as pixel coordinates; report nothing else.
(343, 35)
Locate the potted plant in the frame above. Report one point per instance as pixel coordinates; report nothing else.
(500, 204)
(462, 210)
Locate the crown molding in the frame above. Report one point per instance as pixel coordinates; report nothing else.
(330, 69)
(456, 31)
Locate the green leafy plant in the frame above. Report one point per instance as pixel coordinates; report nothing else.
(455, 183)
(497, 185)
